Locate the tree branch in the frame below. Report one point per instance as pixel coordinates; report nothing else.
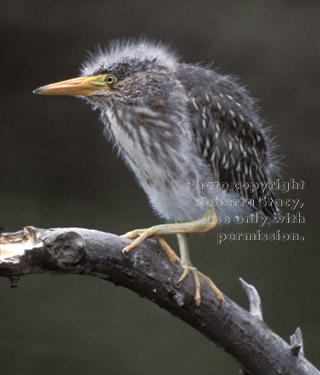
(146, 271)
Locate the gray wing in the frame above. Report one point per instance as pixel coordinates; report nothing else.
(231, 139)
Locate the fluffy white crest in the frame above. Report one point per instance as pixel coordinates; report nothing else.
(121, 50)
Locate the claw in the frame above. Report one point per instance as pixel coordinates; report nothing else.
(195, 274)
(134, 244)
(197, 286)
(213, 287)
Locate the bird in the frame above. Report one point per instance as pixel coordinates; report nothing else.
(192, 136)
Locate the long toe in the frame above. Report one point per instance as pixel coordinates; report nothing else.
(213, 286)
(197, 276)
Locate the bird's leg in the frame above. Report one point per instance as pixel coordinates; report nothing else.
(168, 250)
(188, 268)
(206, 223)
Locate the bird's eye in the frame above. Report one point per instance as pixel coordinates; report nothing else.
(110, 79)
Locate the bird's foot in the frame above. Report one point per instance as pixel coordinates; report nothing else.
(142, 234)
(206, 223)
(197, 276)
(136, 233)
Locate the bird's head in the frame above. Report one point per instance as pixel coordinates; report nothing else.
(126, 71)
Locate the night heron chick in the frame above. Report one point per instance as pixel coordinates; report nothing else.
(191, 136)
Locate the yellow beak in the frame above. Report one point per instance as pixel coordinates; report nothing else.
(81, 86)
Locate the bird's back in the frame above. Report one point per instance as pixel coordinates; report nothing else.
(230, 138)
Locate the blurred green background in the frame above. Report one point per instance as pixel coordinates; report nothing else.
(57, 170)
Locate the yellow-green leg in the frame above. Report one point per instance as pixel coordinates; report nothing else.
(188, 268)
(206, 223)
(168, 250)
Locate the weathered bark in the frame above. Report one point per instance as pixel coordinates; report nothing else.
(147, 271)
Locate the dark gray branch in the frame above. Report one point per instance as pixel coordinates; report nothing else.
(146, 271)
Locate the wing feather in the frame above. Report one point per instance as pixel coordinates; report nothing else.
(231, 139)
